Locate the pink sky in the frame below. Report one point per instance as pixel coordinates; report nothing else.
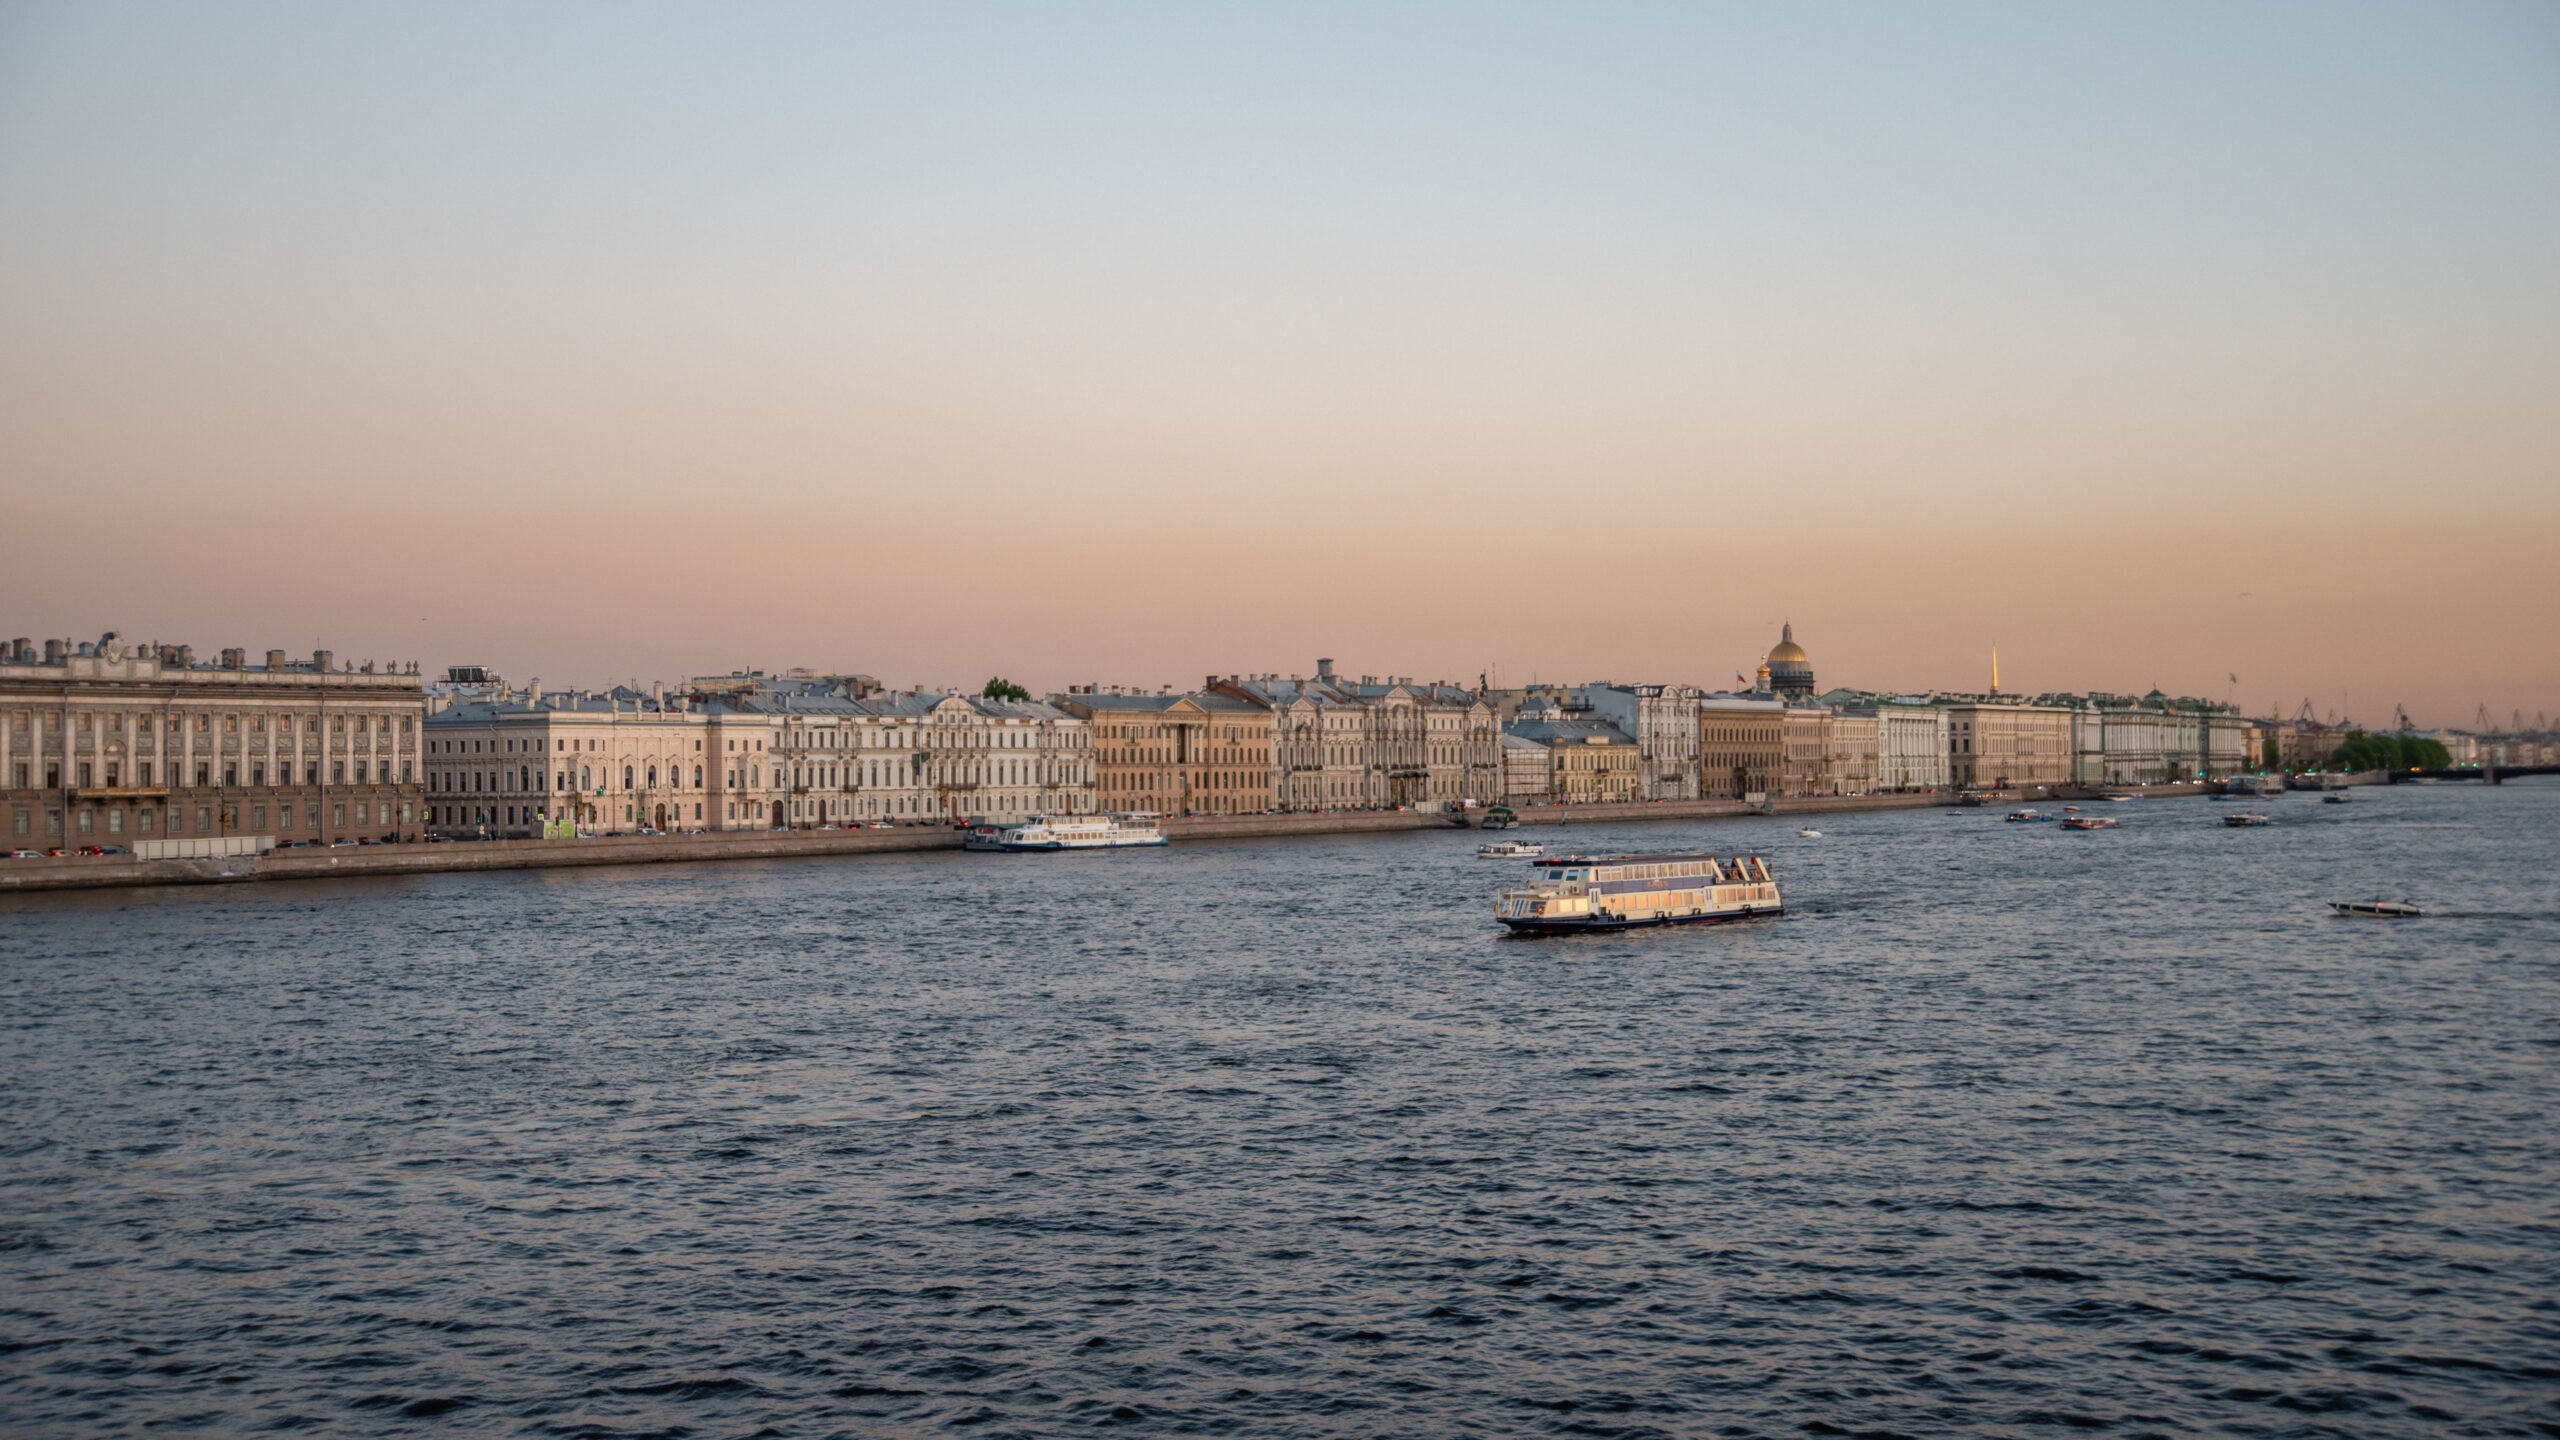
(596, 346)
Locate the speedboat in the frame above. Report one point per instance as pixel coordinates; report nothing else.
(2089, 822)
(2018, 817)
(1511, 850)
(2385, 909)
(2334, 797)
(1810, 833)
(2243, 819)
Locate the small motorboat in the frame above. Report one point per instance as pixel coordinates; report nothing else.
(2026, 817)
(2335, 797)
(1511, 850)
(2244, 819)
(2089, 822)
(1810, 833)
(2384, 909)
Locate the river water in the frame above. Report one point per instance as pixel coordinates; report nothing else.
(2002, 1129)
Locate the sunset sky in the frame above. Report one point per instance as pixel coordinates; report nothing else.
(2155, 345)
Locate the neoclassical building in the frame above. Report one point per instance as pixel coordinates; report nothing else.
(105, 743)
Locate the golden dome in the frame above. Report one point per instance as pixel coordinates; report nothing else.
(1787, 648)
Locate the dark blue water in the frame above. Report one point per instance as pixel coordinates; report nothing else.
(2003, 1130)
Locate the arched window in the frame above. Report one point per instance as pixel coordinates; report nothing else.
(653, 776)
(626, 777)
(697, 777)
(586, 778)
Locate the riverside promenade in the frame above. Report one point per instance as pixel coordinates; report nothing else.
(99, 872)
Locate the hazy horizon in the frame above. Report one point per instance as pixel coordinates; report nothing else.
(1132, 344)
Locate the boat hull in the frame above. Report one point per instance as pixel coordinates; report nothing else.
(1587, 924)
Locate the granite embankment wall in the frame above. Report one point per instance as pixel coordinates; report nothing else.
(88, 872)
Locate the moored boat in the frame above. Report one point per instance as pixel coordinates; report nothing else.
(1500, 817)
(1071, 832)
(1511, 850)
(1569, 894)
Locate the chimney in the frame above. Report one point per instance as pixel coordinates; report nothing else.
(324, 660)
(234, 657)
(56, 651)
(1324, 671)
(186, 656)
(275, 659)
(533, 691)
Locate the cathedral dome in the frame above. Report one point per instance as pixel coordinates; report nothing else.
(1789, 669)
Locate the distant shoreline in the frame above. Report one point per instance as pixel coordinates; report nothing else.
(114, 872)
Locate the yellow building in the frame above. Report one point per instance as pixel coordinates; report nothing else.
(1203, 754)
(1741, 746)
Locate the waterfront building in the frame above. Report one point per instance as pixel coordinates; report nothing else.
(2002, 740)
(1856, 741)
(1786, 671)
(104, 743)
(1374, 742)
(1804, 739)
(1587, 761)
(1429, 744)
(1741, 745)
(1208, 753)
(1527, 769)
(1664, 721)
(530, 762)
(851, 752)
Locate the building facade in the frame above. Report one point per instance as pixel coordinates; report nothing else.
(1741, 746)
(1664, 721)
(1995, 741)
(102, 743)
(1587, 762)
(1856, 741)
(1200, 754)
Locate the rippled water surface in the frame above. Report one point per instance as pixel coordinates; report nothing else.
(2002, 1130)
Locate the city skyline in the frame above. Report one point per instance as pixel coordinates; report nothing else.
(1136, 345)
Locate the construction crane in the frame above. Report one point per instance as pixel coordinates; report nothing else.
(2400, 724)
(2304, 716)
(2482, 723)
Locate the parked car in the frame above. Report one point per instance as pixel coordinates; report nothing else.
(26, 854)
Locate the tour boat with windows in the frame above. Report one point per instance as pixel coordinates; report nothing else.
(1574, 893)
(1511, 850)
(2027, 817)
(2088, 822)
(1071, 832)
(2245, 819)
(1500, 817)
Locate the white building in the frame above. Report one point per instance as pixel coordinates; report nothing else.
(1664, 721)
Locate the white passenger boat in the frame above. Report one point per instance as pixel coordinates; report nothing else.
(1569, 894)
(1071, 832)
(2088, 822)
(2243, 819)
(2385, 909)
(1511, 850)
(2027, 817)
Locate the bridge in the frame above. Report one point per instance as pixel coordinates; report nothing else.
(2491, 773)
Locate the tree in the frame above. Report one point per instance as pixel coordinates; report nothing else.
(1000, 688)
